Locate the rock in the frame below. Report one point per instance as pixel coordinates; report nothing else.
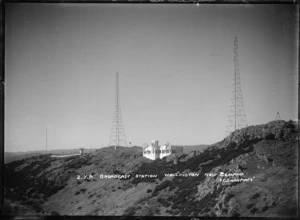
(261, 156)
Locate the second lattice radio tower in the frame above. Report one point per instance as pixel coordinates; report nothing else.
(237, 117)
(117, 137)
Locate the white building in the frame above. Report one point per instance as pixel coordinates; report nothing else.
(81, 151)
(154, 151)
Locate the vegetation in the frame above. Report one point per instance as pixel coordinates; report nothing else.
(250, 206)
(131, 211)
(161, 186)
(36, 182)
(228, 197)
(43, 176)
(184, 200)
(55, 213)
(78, 162)
(255, 196)
(254, 210)
(164, 202)
(270, 136)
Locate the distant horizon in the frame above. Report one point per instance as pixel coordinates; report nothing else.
(93, 148)
(175, 64)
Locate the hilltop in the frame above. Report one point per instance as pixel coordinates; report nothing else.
(260, 163)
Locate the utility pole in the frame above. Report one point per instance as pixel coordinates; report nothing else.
(46, 141)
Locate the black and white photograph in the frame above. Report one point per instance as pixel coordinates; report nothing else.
(151, 109)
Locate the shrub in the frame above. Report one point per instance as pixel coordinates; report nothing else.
(55, 213)
(90, 196)
(143, 199)
(161, 186)
(255, 196)
(174, 206)
(131, 210)
(235, 214)
(35, 196)
(83, 190)
(228, 197)
(170, 198)
(270, 136)
(220, 205)
(118, 172)
(157, 211)
(254, 210)
(176, 212)
(164, 202)
(172, 187)
(265, 208)
(149, 211)
(68, 159)
(37, 208)
(249, 206)
(232, 145)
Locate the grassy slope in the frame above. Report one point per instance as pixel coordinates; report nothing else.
(49, 184)
(43, 176)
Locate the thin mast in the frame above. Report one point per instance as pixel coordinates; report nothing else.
(46, 140)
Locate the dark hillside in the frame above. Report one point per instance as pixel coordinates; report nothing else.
(260, 163)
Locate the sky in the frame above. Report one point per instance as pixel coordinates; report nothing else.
(175, 65)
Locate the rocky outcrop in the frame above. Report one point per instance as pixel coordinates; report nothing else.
(269, 167)
(274, 130)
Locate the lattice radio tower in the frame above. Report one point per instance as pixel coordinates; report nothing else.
(237, 117)
(117, 137)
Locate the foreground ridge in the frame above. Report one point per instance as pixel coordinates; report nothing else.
(252, 172)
